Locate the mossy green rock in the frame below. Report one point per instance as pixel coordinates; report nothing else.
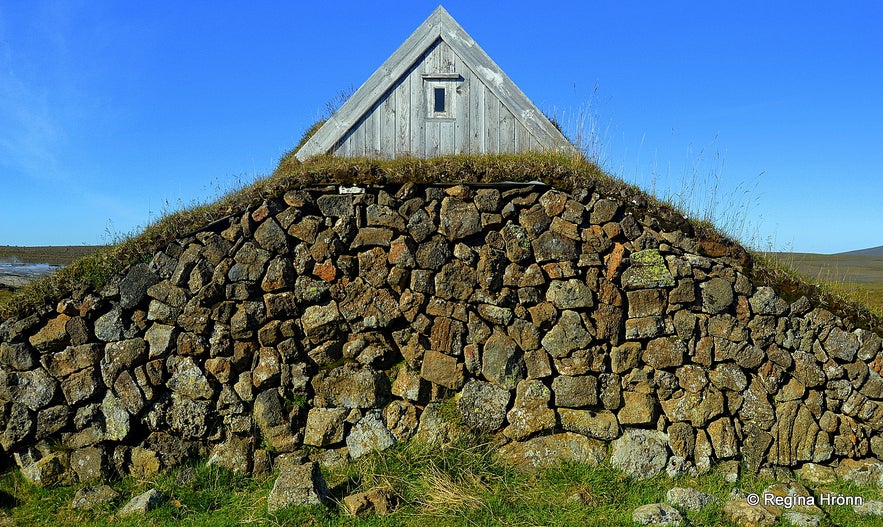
(648, 270)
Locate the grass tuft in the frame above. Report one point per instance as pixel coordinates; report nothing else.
(459, 484)
(445, 494)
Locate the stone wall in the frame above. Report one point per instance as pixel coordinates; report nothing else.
(342, 321)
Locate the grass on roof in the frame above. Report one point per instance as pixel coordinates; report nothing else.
(565, 172)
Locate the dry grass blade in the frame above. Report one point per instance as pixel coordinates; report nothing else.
(443, 495)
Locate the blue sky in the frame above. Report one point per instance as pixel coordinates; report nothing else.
(767, 115)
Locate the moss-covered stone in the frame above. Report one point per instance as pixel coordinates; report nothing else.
(647, 271)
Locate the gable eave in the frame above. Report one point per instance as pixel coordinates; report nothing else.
(373, 89)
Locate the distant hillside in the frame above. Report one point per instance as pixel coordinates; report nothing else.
(855, 274)
(54, 255)
(873, 251)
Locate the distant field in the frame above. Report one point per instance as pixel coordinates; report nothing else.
(857, 276)
(54, 255)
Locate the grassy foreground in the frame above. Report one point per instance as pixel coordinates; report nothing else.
(458, 486)
(52, 255)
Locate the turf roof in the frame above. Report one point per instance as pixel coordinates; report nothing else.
(566, 172)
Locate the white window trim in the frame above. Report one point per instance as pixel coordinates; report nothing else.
(447, 85)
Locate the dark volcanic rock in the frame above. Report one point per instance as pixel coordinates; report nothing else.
(134, 286)
(483, 405)
(325, 326)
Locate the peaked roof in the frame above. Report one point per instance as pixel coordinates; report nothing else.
(439, 25)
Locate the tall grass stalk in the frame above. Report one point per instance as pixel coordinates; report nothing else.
(584, 128)
(703, 192)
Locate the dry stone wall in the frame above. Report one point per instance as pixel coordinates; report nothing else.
(573, 325)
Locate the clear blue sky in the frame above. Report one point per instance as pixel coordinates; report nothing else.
(112, 111)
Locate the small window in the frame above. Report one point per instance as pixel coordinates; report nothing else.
(440, 96)
(439, 100)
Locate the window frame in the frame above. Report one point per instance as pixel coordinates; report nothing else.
(441, 81)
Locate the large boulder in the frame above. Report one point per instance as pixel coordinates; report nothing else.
(689, 498)
(550, 246)
(234, 454)
(91, 497)
(297, 485)
(53, 336)
(567, 335)
(575, 392)
(647, 271)
(442, 369)
(142, 503)
(569, 294)
(531, 413)
(601, 425)
(502, 361)
(741, 512)
(188, 380)
(46, 471)
(550, 450)
(350, 386)
(374, 501)
(483, 405)
(321, 323)
(458, 218)
(272, 421)
(133, 288)
(717, 295)
(33, 389)
(369, 435)
(657, 514)
(641, 454)
(324, 426)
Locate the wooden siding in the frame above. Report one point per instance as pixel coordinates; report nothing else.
(389, 114)
(399, 124)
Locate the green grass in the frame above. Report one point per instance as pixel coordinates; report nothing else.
(461, 485)
(214, 497)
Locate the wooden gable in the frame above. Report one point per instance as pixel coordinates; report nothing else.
(438, 94)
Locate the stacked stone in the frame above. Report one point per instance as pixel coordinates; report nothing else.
(341, 320)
